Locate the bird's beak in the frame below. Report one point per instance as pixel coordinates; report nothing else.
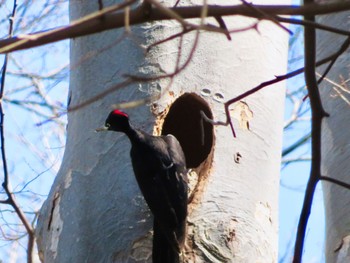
(103, 128)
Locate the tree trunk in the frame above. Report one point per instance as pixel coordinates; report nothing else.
(95, 212)
(335, 139)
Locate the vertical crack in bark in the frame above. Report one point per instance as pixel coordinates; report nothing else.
(54, 203)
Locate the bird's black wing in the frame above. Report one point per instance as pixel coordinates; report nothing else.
(160, 169)
(173, 182)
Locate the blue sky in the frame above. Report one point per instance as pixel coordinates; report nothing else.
(295, 176)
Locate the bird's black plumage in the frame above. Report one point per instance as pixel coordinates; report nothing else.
(160, 169)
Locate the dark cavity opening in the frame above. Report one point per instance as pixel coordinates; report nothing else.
(184, 122)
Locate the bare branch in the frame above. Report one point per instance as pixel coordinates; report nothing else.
(74, 28)
(92, 23)
(318, 114)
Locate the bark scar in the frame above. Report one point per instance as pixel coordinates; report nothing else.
(54, 201)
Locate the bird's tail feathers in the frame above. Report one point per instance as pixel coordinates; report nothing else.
(165, 250)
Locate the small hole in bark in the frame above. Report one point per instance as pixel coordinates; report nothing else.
(184, 122)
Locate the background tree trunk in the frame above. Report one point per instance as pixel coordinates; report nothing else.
(95, 212)
(335, 139)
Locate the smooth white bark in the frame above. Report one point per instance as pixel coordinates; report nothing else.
(95, 212)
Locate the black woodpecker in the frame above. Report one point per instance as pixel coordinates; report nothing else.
(160, 169)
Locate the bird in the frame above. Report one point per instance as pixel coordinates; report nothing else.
(159, 166)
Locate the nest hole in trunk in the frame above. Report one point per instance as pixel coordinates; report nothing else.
(195, 135)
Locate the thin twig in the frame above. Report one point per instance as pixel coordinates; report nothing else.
(335, 181)
(267, 16)
(342, 49)
(97, 97)
(276, 80)
(312, 24)
(100, 5)
(180, 34)
(287, 161)
(297, 144)
(222, 25)
(6, 184)
(212, 122)
(269, 83)
(50, 36)
(100, 95)
(177, 70)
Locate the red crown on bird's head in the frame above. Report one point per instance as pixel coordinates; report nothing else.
(120, 113)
